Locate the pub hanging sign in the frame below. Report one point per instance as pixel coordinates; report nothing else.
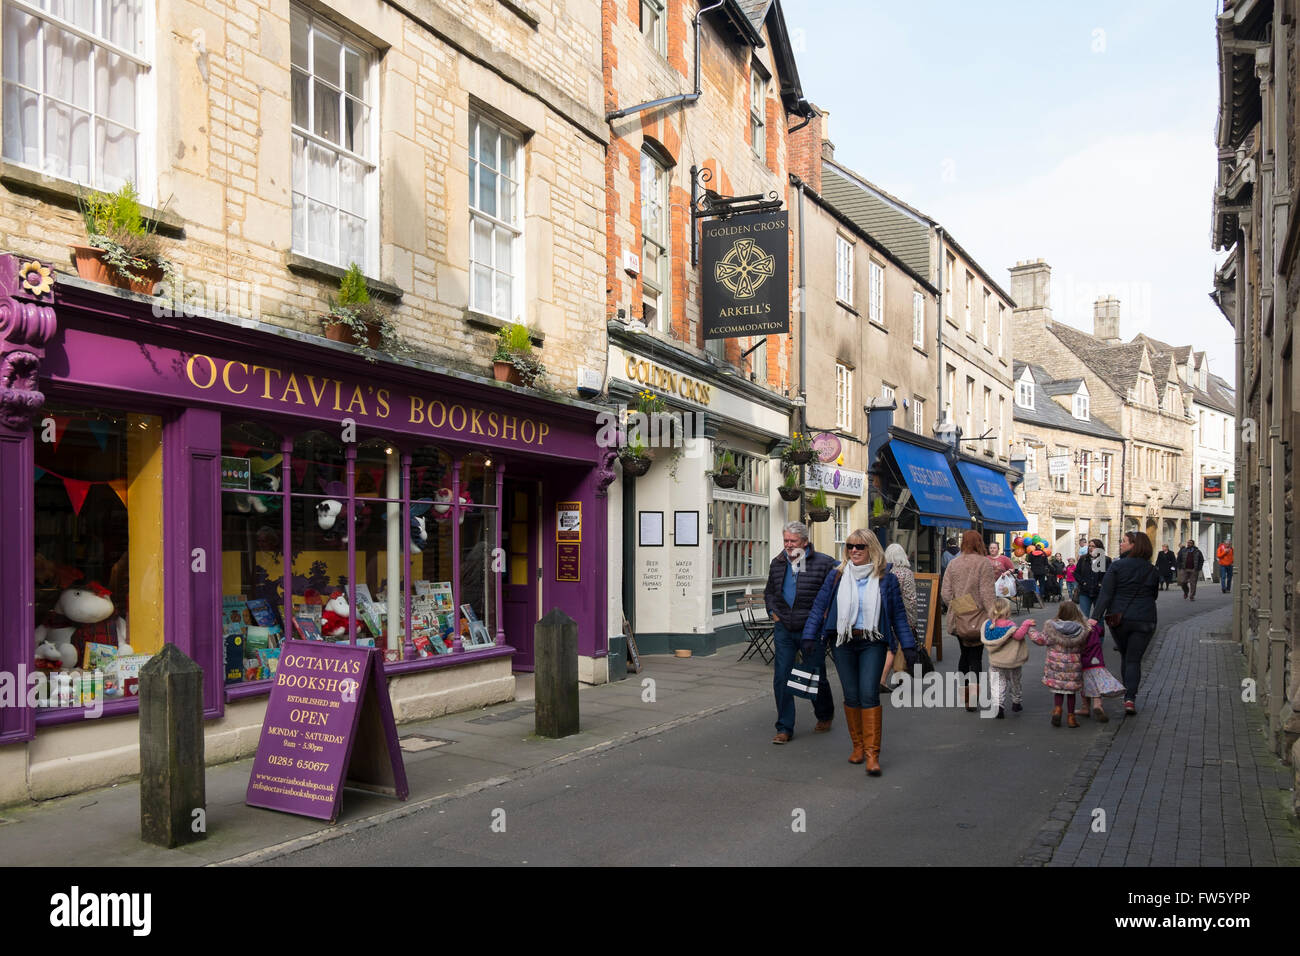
(745, 274)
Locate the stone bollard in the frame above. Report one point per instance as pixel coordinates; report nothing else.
(172, 799)
(555, 650)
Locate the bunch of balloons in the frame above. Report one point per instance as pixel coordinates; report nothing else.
(1023, 544)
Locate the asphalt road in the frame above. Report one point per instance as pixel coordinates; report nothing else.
(958, 789)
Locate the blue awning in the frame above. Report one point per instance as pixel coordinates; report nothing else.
(993, 497)
(928, 476)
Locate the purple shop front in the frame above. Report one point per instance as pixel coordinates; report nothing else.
(226, 488)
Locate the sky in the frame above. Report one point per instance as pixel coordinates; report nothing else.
(1077, 132)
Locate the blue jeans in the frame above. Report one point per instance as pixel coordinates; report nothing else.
(1225, 578)
(1085, 605)
(786, 645)
(860, 664)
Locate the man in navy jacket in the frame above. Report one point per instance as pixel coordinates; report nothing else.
(793, 580)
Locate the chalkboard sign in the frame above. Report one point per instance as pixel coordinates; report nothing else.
(633, 653)
(329, 720)
(927, 607)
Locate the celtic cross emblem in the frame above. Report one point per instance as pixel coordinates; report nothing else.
(744, 268)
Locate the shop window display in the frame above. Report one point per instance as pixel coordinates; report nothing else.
(344, 496)
(98, 552)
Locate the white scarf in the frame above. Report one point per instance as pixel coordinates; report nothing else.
(846, 602)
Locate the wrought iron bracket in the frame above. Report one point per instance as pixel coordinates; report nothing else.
(708, 204)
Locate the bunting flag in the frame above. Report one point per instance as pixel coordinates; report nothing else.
(119, 488)
(239, 449)
(299, 466)
(77, 491)
(100, 429)
(40, 473)
(260, 466)
(60, 426)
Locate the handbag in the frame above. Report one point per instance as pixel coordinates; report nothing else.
(804, 682)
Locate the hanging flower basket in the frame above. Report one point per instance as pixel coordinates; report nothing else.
(801, 457)
(635, 467)
(819, 514)
(789, 494)
(726, 481)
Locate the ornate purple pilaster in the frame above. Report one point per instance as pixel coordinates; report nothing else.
(27, 324)
(605, 473)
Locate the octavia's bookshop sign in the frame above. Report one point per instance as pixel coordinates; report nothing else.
(746, 276)
(329, 721)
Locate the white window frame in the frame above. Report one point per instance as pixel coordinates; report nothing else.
(1031, 458)
(949, 264)
(1025, 392)
(844, 269)
(1002, 330)
(758, 110)
(970, 408)
(952, 395)
(988, 299)
(145, 107)
(479, 123)
(842, 517)
(1085, 472)
(1107, 463)
(918, 415)
(988, 408)
(918, 319)
(1004, 438)
(654, 198)
(970, 314)
(1061, 482)
(1081, 406)
(657, 34)
(886, 393)
(309, 138)
(843, 397)
(876, 292)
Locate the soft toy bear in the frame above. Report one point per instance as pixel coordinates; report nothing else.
(419, 533)
(246, 503)
(83, 614)
(334, 619)
(330, 513)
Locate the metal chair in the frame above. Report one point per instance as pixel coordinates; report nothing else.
(758, 629)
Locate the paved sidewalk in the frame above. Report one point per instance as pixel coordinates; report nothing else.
(1189, 780)
(461, 754)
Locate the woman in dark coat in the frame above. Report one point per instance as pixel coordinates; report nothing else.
(1088, 574)
(1165, 566)
(1130, 589)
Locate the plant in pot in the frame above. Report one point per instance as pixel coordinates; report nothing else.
(818, 509)
(354, 318)
(800, 451)
(514, 361)
(123, 248)
(726, 472)
(789, 489)
(632, 453)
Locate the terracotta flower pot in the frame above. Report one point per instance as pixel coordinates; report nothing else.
(789, 494)
(92, 267)
(506, 372)
(819, 514)
(338, 332)
(635, 467)
(726, 481)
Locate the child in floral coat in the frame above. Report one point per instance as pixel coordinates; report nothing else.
(1065, 637)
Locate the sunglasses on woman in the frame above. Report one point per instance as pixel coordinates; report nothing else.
(855, 547)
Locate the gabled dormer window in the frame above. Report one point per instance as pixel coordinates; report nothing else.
(1025, 390)
(1081, 404)
(1173, 400)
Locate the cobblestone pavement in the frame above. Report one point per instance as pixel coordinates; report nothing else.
(1189, 781)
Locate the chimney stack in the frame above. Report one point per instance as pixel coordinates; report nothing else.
(806, 149)
(1105, 319)
(1031, 287)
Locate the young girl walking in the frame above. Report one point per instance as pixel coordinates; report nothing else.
(1098, 682)
(1007, 654)
(1065, 637)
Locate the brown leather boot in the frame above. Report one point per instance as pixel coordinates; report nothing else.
(853, 717)
(871, 738)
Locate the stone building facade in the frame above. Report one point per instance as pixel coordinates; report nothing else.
(972, 346)
(870, 341)
(1258, 289)
(1080, 495)
(1131, 387)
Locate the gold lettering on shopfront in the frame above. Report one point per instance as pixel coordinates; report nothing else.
(225, 378)
(189, 371)
(292, 386)
(451, 418)
(639, 370)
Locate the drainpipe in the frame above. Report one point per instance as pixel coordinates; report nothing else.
(942, 292)
(680, 97)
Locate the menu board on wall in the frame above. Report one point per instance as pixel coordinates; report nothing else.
(328, 722)
(568, 562)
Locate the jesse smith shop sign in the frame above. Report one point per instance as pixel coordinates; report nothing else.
(746, 276)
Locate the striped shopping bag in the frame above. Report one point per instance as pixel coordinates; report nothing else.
(804, 682)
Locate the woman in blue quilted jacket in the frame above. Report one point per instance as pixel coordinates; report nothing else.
(860, 612)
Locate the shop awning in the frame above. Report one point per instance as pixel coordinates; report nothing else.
(993, 497)
(928, 476)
